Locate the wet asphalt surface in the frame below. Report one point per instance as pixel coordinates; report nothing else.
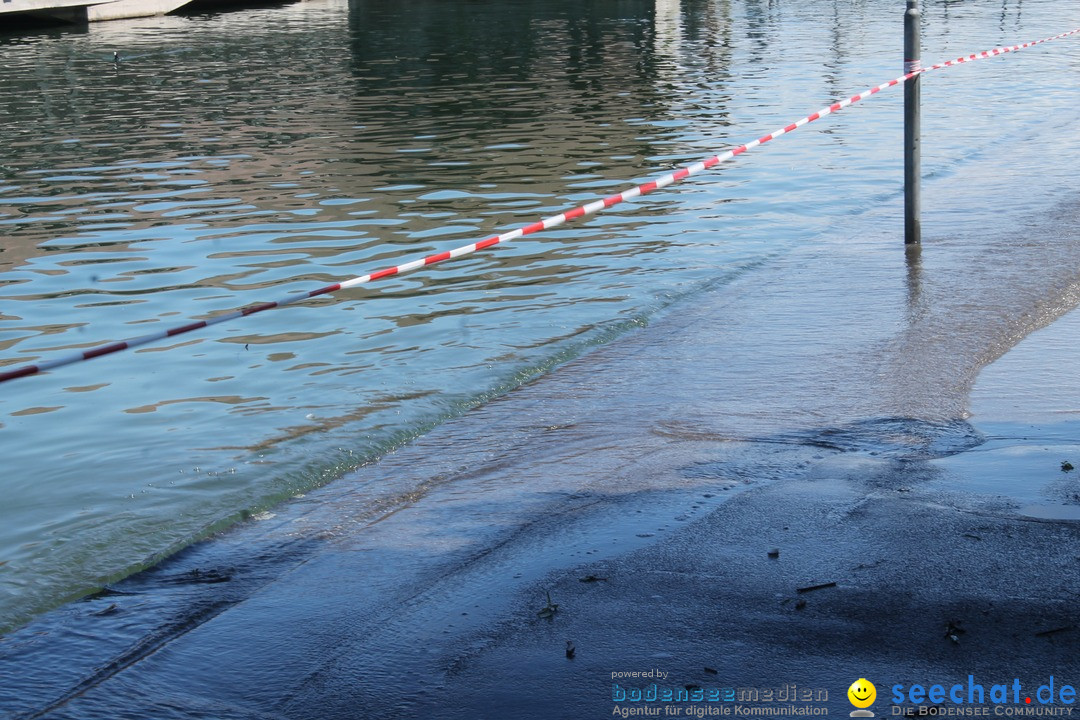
(645, 539)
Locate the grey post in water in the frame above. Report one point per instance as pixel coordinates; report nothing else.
(912, 172)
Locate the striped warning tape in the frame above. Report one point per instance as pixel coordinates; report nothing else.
(911, 67)
(997, 51)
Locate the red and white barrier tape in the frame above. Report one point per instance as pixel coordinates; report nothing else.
(911, 66)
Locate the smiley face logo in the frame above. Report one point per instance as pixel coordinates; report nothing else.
(862, 693)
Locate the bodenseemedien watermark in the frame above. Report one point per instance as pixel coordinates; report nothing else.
(668, 700)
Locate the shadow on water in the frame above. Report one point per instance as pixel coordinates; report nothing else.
(210, 8)
(14, 28)
(913, 261)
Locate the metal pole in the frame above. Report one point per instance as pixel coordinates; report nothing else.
(912, 171)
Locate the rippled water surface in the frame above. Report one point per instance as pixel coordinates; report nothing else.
(233, 158)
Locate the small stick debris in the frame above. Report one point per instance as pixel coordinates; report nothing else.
(811, 588)
(774, 553)
(712, 671)
(592, 578)
(549, 610)
(1054, 631)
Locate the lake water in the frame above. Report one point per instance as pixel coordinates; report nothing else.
(232, 158)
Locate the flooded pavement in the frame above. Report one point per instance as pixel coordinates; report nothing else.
(782, 477)
(652, 531)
